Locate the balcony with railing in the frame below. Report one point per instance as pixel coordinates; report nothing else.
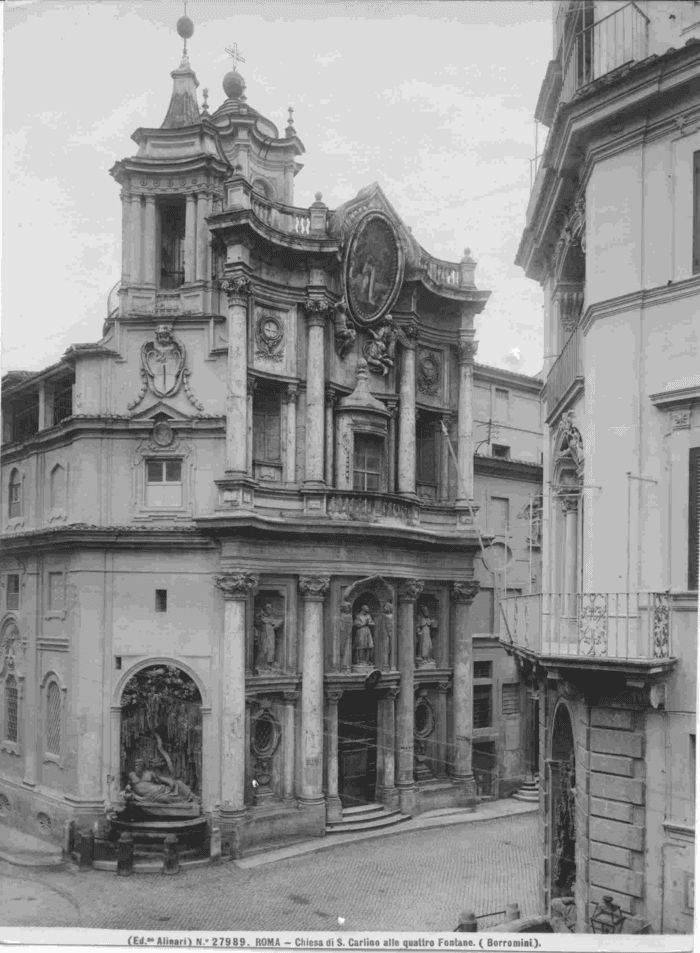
(566, 371)
(614, 626)
(621, 37)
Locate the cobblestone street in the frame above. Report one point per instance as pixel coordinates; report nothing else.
(415, 881)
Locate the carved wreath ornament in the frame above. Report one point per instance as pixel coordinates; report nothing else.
(269, 338)
(428, 376)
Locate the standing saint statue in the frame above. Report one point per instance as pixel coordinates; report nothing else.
(424, 630)
(266, 626)
(364, 643)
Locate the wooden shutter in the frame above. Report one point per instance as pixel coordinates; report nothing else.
(694, 518)
(696, 212)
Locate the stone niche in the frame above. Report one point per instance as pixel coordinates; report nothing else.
(427, 628)
(265, 768)
(267, 653)
(366, 631)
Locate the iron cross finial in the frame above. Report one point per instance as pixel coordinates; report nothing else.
(235, 54)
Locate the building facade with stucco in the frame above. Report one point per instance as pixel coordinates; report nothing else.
(258, 495)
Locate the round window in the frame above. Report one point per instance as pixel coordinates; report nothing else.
(266, 735)
(423, 719)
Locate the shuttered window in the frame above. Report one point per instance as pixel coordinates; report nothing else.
(694, 518)
(696, 212)
(266, 427)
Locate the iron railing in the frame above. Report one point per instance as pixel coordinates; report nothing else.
(619, 38)
(567, 367)
(614, 625)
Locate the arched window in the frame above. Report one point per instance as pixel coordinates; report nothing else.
(52, 730)
(15, 495)
(11, 709)
(58, 487)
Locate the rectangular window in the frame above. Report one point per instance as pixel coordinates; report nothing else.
(483, 669)
(266, 427)
(499, 451)
(510, 700)
(57, 593)
(161, 600)
(164, 483)
(482, 706)
(696, 212)
(500, 410)
(367, 470)
(500, 515)
(694, 518)
(172, 243)
(12, 593)
(426, 455)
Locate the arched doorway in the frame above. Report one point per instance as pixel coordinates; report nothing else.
(161, 723)
(563, 800)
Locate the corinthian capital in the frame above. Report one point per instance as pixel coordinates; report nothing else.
(317, 310)
(314, 587)
(236, 585)
(570, 305)
(410, 589)
(237, 287)
(466, 591)
(466, 351)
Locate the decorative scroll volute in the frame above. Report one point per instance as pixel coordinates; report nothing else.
(236, 585)
(314, 587)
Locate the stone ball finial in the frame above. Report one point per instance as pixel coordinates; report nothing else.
(234, 85)
(467, 254)
(185, 28)
(318, 196)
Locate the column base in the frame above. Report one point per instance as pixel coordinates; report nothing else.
(311, 803)
(466, 788)
(407, 800)
(334, 809)
(389, 797)
(314, 496)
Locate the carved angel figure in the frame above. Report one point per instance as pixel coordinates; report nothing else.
(380, 351)
(364, 643)
(425, 625)
(345, 334)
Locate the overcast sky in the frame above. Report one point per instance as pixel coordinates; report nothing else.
(432, 100)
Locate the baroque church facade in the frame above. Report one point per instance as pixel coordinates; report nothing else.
(259, 486)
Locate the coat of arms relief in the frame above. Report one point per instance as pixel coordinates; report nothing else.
(163, 368)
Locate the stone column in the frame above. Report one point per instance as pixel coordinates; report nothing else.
(569, 505)
(313, 591)
(190, 236)
(289, 700)
(250, 395)
(463, 594)
(409, 590)
(330, 436)
(202, 237)
(136, 239)
(334, 808)
(441, 728)
(445, 459)
(392, 407)
(235, 586)
(149, 241)
(316, 312)
(126, 236)
(238, 290)
(386, 742)
(407, 413)
(291, 395)
(466, 353)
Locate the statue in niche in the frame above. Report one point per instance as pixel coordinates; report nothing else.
(388, 612)
(147, 786)
(364, 642)
(379, 352)
(266, 628)
(425, 626)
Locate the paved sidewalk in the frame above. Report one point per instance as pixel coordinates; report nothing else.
(25, 850)
(487, 811)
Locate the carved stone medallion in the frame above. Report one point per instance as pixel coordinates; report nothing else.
(269, 338)
(428, 374)
(373, 270)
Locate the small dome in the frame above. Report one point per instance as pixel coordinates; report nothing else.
(234, 85)
(185, 28)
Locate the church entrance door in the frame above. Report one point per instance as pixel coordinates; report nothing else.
(357, 748)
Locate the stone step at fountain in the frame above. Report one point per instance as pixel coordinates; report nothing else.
(366, 817)
(530, 791)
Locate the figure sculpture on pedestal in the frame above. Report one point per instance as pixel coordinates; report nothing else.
(364, 643)
(266, 626)
(425, 626)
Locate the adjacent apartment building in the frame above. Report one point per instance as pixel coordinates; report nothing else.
(609, 645)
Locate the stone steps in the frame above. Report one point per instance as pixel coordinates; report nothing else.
(530, 792)
(366, 817)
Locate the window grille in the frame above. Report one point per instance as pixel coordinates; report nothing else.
(266, 427)
(53, 719)
(368, 462)
(12, 593)
(15, 495)
(11, 708)
(62, 401)
(483, 669)
(482, 706)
